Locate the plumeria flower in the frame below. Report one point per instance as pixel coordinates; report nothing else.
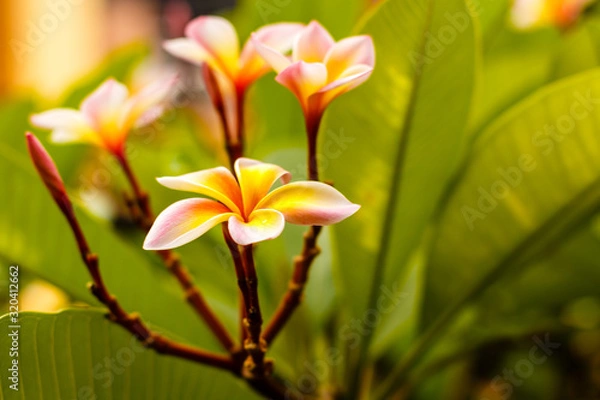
(107, 115)
(214, 41)
(253, 212)
(527, 14)
(319, 69)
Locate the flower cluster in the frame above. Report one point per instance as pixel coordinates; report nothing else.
(317, 71)
(243, 199)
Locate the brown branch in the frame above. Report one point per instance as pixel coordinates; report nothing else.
(293, 296)
(254, 366)
(254, 345)
(133, 322)
(236, 255)
(173, 263)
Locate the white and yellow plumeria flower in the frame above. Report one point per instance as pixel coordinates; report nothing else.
(214, 40)
(319, 69)
(243, 201)
(107, 115)
(527, 14)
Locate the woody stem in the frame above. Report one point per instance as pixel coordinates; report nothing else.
(255, 347)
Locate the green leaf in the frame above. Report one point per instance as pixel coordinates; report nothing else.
(514, 65)
(79, 354)
(521, 193)
(531, 179)
(392, 144)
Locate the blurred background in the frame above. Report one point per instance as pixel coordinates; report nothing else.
(48, 45)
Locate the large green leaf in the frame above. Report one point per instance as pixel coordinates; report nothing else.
(532, 177)
(79, 354)
(395, 152)
(530, 182)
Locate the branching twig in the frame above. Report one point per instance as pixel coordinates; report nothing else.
(174, 265)
(293, 296)
(133, 322)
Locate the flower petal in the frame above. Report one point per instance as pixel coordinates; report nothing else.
(348, 52)
(103, 109)
(351, 78)
(303, 79)
(256, 179)
(219, 38)
(312, 44)
(274, 58)
(278, 37)
(262, 225)
(146, 105)
(68, 126)
(184, 221)
(104, 104)
(309, 203)
(218, 183)
(188, 50)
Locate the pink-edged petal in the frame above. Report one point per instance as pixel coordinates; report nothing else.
(68, 126)
(262, 225)
(274, 58)
(357, 75)
(312, 44)
(309, 203)
(256, 179)
(188, 50)
(303, 79)
(148, 104)
(218, 183)
(219, 38)
(184, 221)
(278, 37)
(103, 106)
(348, 52)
